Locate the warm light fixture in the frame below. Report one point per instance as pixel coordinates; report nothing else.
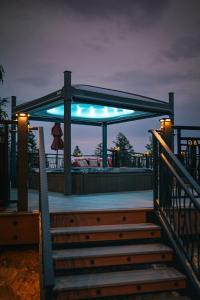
(22, 115)
(165, 122)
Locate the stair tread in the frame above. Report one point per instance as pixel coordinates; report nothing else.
(104, 228)
(111, 251)
(87, 281)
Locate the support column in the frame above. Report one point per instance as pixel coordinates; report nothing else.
(22, 162)
(67, 134)
(4, 166)
(171, 116)
(166, 130)
(13, 164)
(171, 105)
(165, 175)
(104, 145)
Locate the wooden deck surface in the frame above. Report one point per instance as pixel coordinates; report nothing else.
(114, 278)
(110, 251)
(109, 201)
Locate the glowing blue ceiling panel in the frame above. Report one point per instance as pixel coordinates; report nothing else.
(88, 111)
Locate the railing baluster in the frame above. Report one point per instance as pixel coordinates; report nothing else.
(178, 205)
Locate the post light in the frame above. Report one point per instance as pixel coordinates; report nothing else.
(166, 131)
(22, 118)
(165, 124)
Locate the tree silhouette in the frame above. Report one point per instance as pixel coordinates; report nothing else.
(99, 150)
(125, 150)
(2, 72)
(77, 151)
(3, 104)
(149, 146)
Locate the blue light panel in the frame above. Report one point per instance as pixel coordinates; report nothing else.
(88, 111)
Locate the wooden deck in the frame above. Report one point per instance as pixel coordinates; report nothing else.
(108, 201)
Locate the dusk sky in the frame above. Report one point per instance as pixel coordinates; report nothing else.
(148, 47)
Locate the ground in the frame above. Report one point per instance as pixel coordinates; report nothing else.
(19, 274)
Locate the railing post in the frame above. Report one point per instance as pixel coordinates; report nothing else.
(22, 162)
(13, 157)
(47, 280)
(155, 170)
(165, 179)
(4, 167)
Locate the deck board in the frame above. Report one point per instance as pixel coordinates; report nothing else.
(107, 201)
(110, 251)
(104, 228)
(87, 281)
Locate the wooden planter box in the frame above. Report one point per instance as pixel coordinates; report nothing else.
(98, 182)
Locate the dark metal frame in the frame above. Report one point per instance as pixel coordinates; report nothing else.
(188, 149)
(93, 95)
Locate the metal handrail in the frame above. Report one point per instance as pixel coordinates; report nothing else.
(178, 164)
(47, 272)
(177, 205)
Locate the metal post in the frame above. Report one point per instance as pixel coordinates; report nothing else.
(67, 133)
(155, 171)
(4, 166)
(166, 130)
(179, 143)
(13, 158)
(104, 144)
(22, 162)
(171, 105)
(165, 175)
(171, 116)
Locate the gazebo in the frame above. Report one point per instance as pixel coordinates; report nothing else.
(89, 105)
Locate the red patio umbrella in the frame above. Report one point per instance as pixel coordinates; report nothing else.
(57, 143)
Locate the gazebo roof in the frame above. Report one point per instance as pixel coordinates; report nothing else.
(94, 106)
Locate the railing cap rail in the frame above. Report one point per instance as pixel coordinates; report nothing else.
(178, 164)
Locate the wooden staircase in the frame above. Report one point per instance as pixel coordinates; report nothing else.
(110, 253)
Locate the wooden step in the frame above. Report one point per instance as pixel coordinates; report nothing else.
(118, 283)
(111, 256)
(100, 217)
(104, 233)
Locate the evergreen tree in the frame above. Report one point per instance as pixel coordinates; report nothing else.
(2, 72)
(149, 146)
(125, 150)
(33, 161)
(99, 150)
(3, 101)
(32, 143)
(77, 151)
(3, 104)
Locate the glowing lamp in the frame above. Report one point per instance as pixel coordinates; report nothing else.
(165, 124)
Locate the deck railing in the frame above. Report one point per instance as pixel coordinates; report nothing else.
(188, 148)
(45, 246)
(177, 203)
(56, 161)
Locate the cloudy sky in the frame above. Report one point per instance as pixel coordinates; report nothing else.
(148, 47)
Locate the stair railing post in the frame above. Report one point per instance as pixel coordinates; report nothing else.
(22, 161)
(155, 171)
(165, 178)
